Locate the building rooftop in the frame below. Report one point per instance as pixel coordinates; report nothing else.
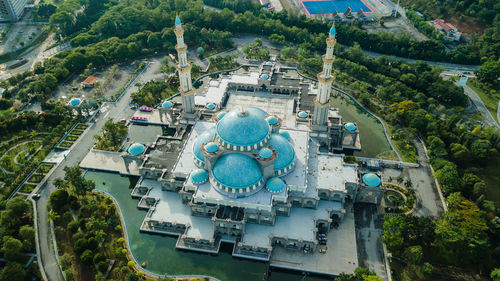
(163, 154)
(217, 88)
(329, 170)
(184, 164)
(90, 80)
(258, 235)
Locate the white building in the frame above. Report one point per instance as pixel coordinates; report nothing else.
(12, 10)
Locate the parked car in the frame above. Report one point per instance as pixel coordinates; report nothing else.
(36, 196)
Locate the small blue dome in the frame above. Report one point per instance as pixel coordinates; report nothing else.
(371, 179)
(211, 147)
(167, 104)
(268, 63)
(275, 185)
(286, 153)
(265, 153)
(177, 20)
(136, 149)
(199, 176)
(350, 126)
(75, 101)
(264, 76)
(220, 115)
(272, 120)
(285, 134)
(206, 136)
(210, 106)
(333, 31)
(303, 114)
(243, 128)
(237, 171)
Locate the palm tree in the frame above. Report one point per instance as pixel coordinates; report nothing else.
(53, 216)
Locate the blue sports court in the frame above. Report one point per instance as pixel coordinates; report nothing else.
(330, 6)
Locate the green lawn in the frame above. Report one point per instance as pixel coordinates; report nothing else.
(81, 126)
(66, 144)
(28, 187)
(44, 168)
(489, 94)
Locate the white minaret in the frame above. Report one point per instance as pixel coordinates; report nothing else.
(325, 80)
(184, 68)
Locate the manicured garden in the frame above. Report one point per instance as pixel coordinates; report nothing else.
(73, 136)
(399, 199)
(25, 140)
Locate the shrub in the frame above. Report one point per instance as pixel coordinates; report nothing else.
(102, 266)
(99, 258)
(86, 257)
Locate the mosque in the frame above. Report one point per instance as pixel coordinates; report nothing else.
(256, 160)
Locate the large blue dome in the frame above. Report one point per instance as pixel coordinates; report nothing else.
(206, 136)
(237, 171)
(243, 128)
(286, 153)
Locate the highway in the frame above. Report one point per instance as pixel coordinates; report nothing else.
(115, 111)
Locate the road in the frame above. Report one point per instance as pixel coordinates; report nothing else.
(456, 69)
(477, 102)
(481, 107)
(369, 231)
(117, 111)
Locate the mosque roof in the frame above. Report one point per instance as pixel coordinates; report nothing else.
(167, 104)
(333, 31)
(265, 153)
(237, 171)
(350, 126)
(206, 136)
(285, 134)
(177, 20)
(243, 128)
(264, 76)
(211, 147)
(210, 106)
(286, 153)
(303, 114)
(221, 114)
(199, 176)
(257, 111)
(136, 149)
(275, 184)
(371, 179)
(272, 120)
